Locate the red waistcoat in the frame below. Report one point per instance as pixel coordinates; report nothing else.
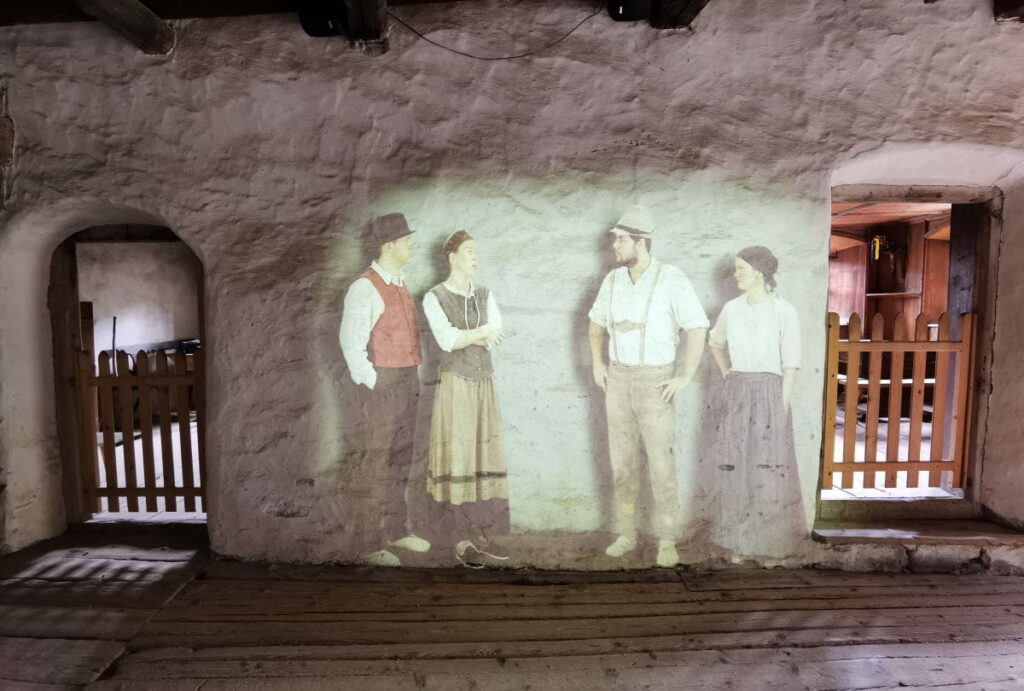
(395, 340)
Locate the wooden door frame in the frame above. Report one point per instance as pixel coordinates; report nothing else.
(62, 300)
(990, 199)
(66, 340)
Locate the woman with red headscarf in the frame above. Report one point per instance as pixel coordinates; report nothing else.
(756, 344)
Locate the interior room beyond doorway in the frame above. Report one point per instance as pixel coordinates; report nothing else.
(889, 280)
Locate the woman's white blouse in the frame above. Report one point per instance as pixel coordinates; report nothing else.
(760, 337)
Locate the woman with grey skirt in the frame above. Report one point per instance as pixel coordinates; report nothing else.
(756, 344)
(466, 471)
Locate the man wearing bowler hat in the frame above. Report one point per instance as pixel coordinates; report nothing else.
(642, 306)
(380, 343)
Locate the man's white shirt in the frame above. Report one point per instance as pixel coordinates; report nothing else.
(673, 306)
(363, 307)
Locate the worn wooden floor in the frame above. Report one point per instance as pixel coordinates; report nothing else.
(152, 612)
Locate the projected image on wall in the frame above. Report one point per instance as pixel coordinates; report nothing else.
(756, 345)
(642, 306)
(621, 393)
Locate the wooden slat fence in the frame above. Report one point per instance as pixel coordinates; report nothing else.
(137, 406)
(912, 387)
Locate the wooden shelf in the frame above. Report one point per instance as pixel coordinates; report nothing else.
(894, 295)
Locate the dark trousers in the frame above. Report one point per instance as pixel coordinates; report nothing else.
(382, 452)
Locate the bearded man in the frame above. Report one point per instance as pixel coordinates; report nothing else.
(641, 307)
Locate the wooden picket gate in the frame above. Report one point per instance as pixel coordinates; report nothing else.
(147, 399)
(939, 386)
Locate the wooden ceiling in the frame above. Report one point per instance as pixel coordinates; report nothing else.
(848, 215)
(851, 221)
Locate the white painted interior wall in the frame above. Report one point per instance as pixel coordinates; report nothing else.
(266, 151)
(151, 287)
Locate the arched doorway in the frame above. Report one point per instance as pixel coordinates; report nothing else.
(126, 316)
(35, 478)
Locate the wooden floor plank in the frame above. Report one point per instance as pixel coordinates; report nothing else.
(314, 663)
(232, 570)
(72, 622)
(205, 600)
(245, 612)
(655, 674)
(118, 594)
(54, 661)
(161, 633)
(272, 626)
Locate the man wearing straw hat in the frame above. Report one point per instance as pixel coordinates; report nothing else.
(380, 343)
(641, 306)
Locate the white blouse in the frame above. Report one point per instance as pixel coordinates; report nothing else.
(760, 337)
(445, 333)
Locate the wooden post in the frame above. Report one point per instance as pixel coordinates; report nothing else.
(966, 226)
(184, 430)
(961, 411)
(874, 393)
(894, 425)
(87, 433)
(65, 330)
(106, 398)
(200, 384)
(850, 403)
(917, 399)
(939, 395)
(146, 426)
(124, 391)
(163, 404)
(831, 399)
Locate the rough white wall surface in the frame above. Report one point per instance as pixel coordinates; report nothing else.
(151, 287)
(1003, 468)
(266, 150)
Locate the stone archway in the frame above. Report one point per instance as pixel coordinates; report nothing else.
(32, 500)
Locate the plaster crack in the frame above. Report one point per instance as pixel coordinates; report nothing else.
(1009, 174)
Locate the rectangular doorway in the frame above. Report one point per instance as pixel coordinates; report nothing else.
(901, 341)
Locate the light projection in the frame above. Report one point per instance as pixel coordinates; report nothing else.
(511, 444)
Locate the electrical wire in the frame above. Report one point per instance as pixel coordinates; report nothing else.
(500, 57)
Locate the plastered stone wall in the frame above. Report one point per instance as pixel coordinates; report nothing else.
(266, 151)
(1002, 476)
(151, 287)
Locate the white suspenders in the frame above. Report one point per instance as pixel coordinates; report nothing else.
(643, 325)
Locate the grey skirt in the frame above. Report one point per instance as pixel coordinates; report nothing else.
(760, 508)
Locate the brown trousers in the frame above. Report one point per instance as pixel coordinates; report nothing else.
(637, 416)
(382, 451)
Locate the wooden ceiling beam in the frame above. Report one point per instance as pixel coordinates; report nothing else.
(134, 21)
(58, 11)
(675, 14)
(1008, 10)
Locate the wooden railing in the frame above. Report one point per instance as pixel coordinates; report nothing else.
(145, 399)
(893, 385)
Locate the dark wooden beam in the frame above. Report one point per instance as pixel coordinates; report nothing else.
(368, 24)
(1008, 10)
(134, 21)
(55, 11)
(126, 233)
(675, 14)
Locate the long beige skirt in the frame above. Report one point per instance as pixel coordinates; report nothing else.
(466, 462)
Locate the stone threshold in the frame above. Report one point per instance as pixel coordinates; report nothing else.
(916, 532)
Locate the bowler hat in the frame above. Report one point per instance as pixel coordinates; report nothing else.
(388, 228)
